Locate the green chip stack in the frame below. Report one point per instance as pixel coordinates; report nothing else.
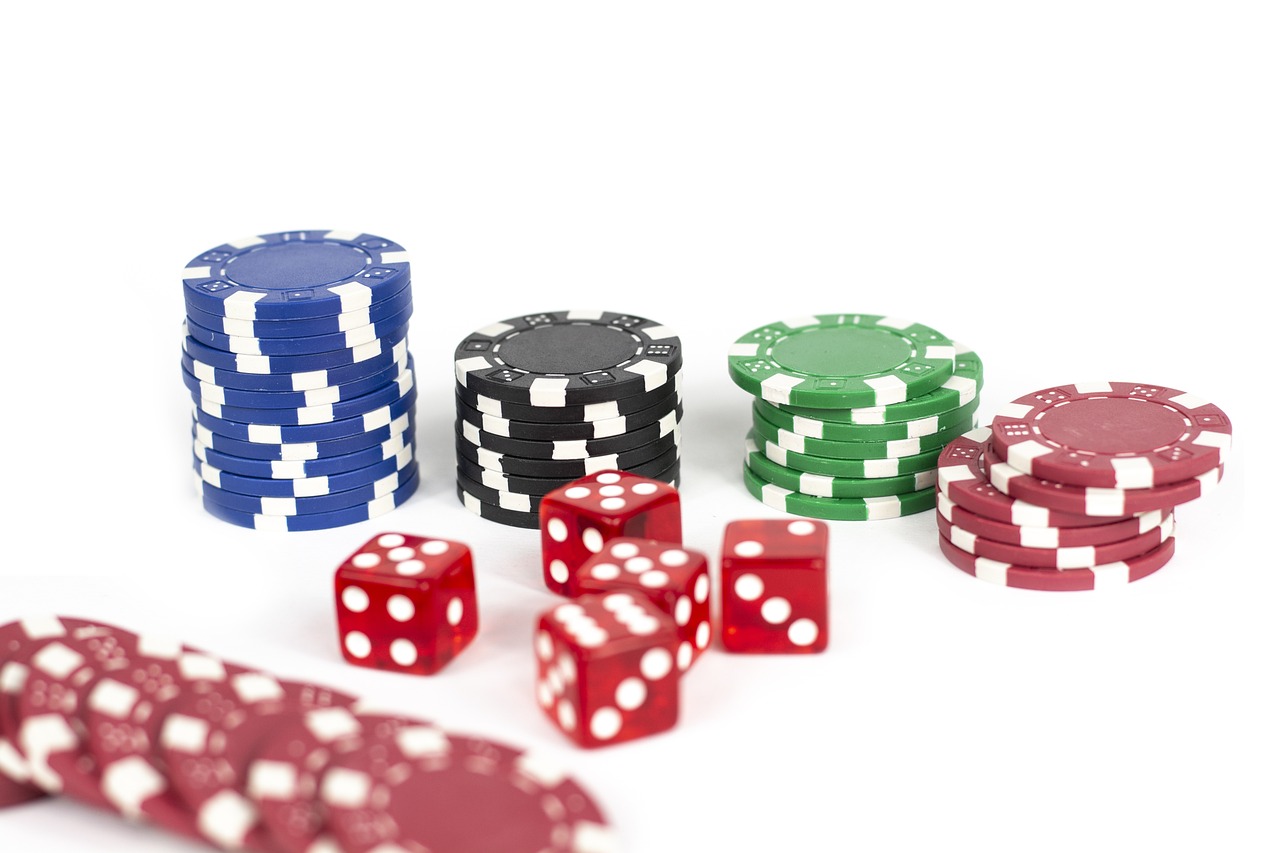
(851, 413)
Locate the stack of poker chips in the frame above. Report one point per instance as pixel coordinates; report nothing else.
(1073, 487)
(851, 413)
(547, 398)
(296, 355)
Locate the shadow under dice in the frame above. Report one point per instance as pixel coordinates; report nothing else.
(773, 596)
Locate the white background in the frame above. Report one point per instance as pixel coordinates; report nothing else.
(1081, 191)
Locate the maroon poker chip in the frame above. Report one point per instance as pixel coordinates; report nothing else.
(1112, 435)
(1066, 559)
(1120, 573)
(1050, 537)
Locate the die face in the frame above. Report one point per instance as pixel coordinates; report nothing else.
(774, 587)
(673, 578)
(606, 669)
(406, 603)
(578, 518)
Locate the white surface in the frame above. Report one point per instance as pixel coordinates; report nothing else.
(1082, 193)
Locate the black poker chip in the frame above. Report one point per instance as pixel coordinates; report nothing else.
(539, 486)
(570, 468)
(541, 431)
(572, 449)
(577, 414)
(516, 510)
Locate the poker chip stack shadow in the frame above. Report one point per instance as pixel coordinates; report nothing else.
(851, 413)
(547, 398)
(296, 355)
(1074, 487)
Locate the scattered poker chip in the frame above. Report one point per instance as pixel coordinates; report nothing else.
(846, 468)
(352, 339)
(520, 502)
(308, 486)
(823, 486)
(305, 469)
(860, 450)
(574, 449)
(837, 509)
(379, 352)
(963, 479)
(1067, 558)
(295, 275)
(541, 431)
(323, 503)
(567, 468)
(306, 450)
(1057, 580)
(841, 360)
(567, 358)
(321, 414)
(258, 433)
(576, 414)
(306, 381)
(207, 392)
(319, 520)
(305, 327)
(960, 389)
(537, 487)
(1096, 502)
(1051, 537)
(415, 787)
(1112, 435)
(813, 428)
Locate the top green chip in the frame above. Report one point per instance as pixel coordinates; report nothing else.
(836, 361)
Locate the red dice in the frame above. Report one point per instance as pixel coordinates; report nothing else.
(406, 603)
(578, 518)
(606, 668)
(673, 578)
(773, 587)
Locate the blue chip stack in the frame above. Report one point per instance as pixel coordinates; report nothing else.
(297, 358)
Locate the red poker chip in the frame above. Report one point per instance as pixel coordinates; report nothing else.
(963, 479)
(1112, 435)
(416, 788)
(1066, 559)
(1058, 580)
(208, 741)
(1050, 537)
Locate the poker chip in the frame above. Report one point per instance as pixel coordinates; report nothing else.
(207, 392)
(1050, 537)
(854, 449)
(1112, 435)
(571, 358)
(303, 468)
(294, 275)
(305, 327)
(581, 431)
(821, 430)
(377, 354)
(841, 360)
(575, 414)
(509, 515)
(845, 468)
(537, 487)
(822, 486)
(1097, 502)
(306, 381)
(568, 469)
(352, 339)
(837, 509)
(1067, 558)
(260, 433)
(305, 450)
(521, 502)
(572, 449)
(322, 413)
(416, 787)
(305, 486)
(1057, 580)
(323, 503)
(317, 520)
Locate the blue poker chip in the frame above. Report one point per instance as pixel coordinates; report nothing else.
(267, 469)
(295, 274)
(256, 505)
(378, 348)
(306, 326)
(301, 451)
(308, 487)
(306, 381)
(320, 414)
(208, 392)
(277, 434)
(314, 345)
(320, 520)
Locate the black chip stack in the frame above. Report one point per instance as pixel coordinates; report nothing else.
(547, 398)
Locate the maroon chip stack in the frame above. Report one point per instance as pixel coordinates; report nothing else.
(1073, 487)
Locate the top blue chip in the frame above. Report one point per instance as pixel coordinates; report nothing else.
(295, 275)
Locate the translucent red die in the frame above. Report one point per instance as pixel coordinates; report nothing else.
(579, 517)
(674, 578)
(606, 668)
(773, 586)
(406, 603)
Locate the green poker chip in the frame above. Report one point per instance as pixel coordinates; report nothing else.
(847, 468)
(824, 430)
(821, 486)
(959, 390)
(856, 449)
(841, 360)
(838, 509)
